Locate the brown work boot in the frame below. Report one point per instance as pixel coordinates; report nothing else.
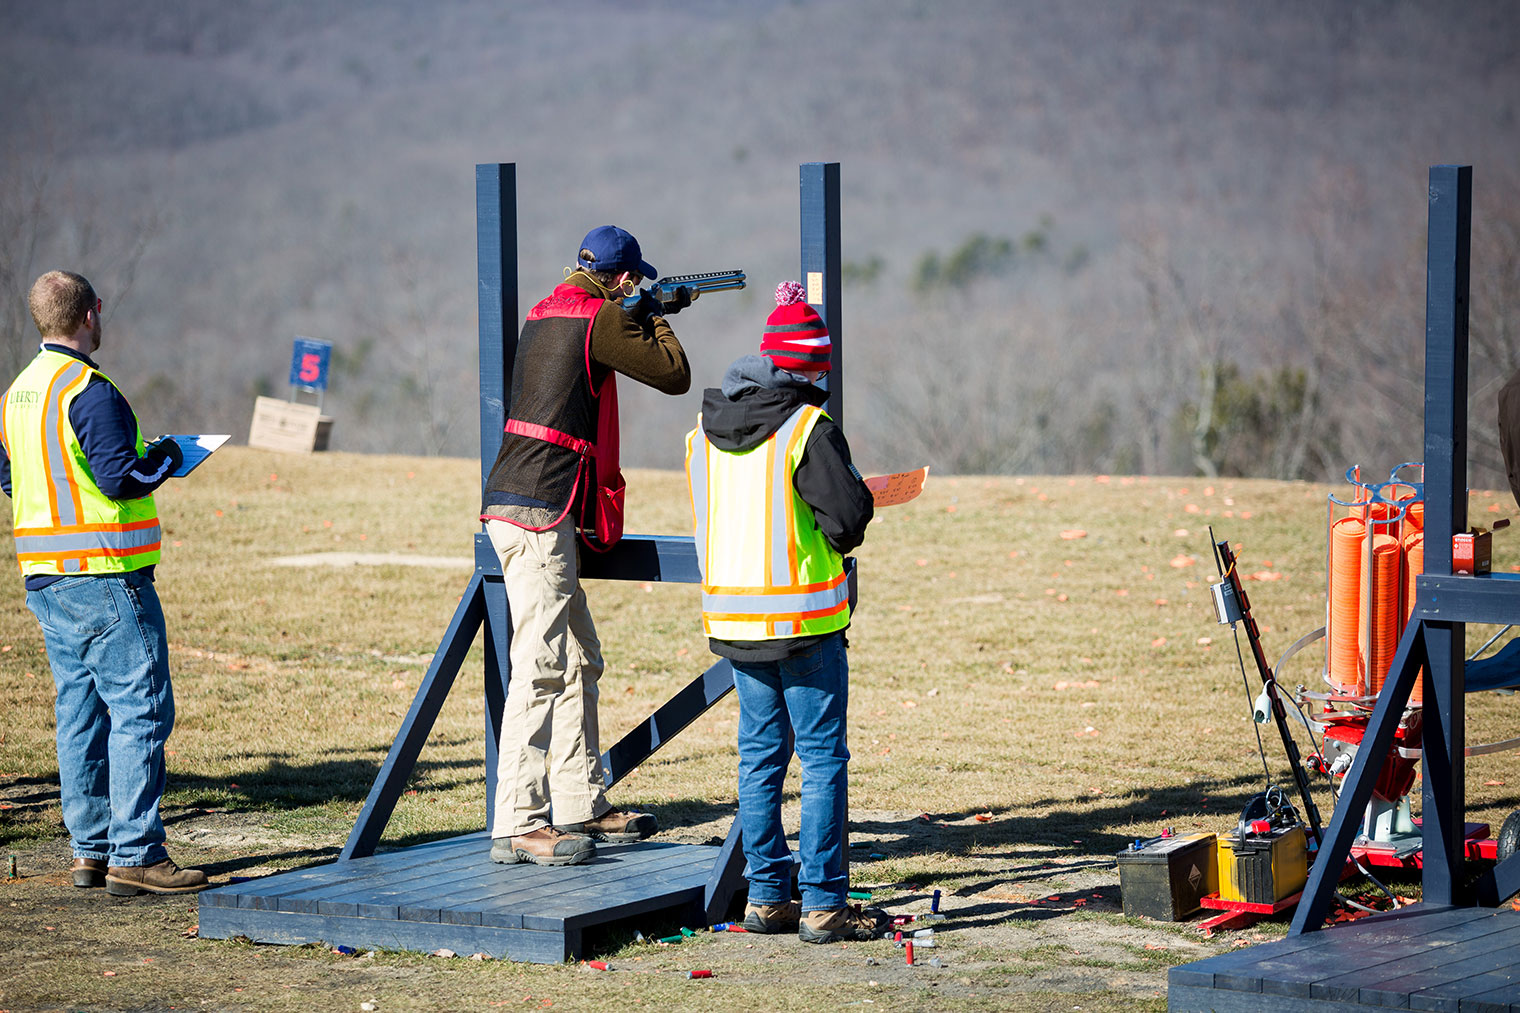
(842, 923)
(164, 877)
(772, 918)
(88, 871)
(616, 826)
(544, 846)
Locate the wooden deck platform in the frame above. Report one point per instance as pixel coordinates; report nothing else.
(1455, 960)
(449, 894)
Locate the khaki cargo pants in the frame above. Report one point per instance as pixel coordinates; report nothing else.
(549, 764)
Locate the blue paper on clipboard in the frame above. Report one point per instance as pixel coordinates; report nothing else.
(196, 449)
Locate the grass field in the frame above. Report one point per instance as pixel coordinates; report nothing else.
(1038, 652)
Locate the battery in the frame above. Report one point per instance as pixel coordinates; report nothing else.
(1263, 868)
(1165, 877)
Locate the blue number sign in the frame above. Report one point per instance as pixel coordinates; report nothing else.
(308, 363)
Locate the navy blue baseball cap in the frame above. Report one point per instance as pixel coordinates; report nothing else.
(615, 250)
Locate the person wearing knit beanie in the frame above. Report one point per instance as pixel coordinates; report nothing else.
(776, 505)
(795, 336)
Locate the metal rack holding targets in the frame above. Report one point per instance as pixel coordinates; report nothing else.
(448, 893)
(1448, 951)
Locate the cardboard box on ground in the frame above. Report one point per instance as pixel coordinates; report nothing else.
(287, 425)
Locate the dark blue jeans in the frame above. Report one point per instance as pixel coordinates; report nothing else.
(109, 653)
(808, 694)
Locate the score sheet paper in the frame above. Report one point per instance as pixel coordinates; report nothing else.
(895, 489)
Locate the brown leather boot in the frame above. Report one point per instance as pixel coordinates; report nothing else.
(616, 826)
(842, 923)
(771, 918)
(88, 872)
(544, 846)
(164, 877)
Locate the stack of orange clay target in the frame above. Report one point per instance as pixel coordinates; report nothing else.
(1376, 546)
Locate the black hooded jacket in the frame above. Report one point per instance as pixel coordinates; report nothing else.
(755, 400)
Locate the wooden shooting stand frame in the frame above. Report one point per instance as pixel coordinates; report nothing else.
(1451, 950)
(448, 893)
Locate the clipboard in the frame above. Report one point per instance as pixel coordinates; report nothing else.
(196, 449)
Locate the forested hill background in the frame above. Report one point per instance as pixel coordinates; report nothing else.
(1171, 236)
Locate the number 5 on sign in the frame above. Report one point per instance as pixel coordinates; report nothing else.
(308, 363)
(891, 490)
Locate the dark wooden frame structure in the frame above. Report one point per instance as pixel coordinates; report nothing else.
(447, 893)
(1445, 952)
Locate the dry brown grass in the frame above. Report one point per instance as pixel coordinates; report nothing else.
(1075, 689)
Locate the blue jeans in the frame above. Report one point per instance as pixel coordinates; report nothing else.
(807, 695)
(109, 653)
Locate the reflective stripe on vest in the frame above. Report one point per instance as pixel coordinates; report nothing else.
(62, 522)
(767, 570)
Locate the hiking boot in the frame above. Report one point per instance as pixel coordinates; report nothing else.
(88, 872)
(842, 923)
(164, 877)
(616, 826)
(544, 846)
(772, 918)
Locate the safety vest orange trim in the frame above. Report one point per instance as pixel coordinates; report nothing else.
(822, 585)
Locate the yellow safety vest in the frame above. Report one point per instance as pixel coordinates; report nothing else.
(63, 523)
(767, 570)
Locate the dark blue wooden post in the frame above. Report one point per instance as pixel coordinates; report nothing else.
(496, 270)
(1356, 791)
(1444, 808)
(820, 266)
(402, 758)
(496, 260)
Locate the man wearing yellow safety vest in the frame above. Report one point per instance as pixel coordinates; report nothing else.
(81, 479)
(776, 502)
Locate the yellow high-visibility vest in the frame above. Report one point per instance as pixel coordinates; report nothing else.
(63, 523)
(767, 570)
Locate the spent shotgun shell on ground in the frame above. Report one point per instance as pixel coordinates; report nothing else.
(859, 895)
(699, 974)
(671, 939)
(908, 953)
(934, 903)
(600, 965)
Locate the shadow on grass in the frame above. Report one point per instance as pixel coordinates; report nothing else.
(285, 781)
(279, 781)
(302, 857)
(1057, 826)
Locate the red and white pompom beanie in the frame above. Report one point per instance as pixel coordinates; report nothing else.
(795, 337)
